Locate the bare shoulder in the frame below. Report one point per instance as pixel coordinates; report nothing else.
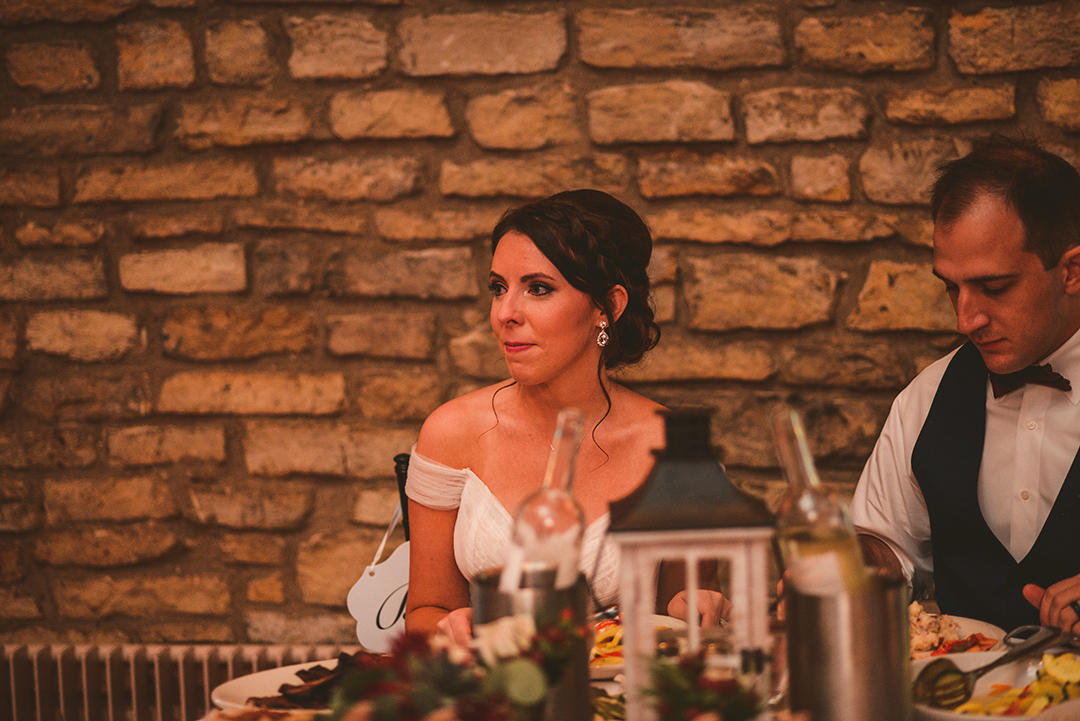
(643, 417)
(450, 433)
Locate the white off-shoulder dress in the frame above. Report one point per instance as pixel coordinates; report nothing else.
(483, 528)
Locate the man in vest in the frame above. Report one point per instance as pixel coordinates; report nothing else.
(973, 488)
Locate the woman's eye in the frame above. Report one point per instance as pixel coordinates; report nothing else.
(496, 288)
(539, 288)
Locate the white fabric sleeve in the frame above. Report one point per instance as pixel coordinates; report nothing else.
(433, 484)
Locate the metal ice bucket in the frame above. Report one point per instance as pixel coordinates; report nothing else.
(568, 699)
(848, 655)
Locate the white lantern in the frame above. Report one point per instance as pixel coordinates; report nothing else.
(688, 510)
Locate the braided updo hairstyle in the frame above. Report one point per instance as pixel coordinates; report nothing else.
(596, 242)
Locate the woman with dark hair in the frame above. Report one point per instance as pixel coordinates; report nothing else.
(570, 302)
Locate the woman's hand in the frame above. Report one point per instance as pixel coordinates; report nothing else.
(457, 627)
(711, 605)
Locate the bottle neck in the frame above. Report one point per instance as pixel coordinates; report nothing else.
(559, 474)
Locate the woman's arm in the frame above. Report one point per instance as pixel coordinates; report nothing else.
(436, 586)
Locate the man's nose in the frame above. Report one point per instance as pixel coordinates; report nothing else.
(970, 316)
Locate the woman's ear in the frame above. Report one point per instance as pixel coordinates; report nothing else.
(617, 298)
(1070, 261)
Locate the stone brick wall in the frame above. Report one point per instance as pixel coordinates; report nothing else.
(242, 255)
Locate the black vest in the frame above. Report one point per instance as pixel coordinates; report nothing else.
(974, 574)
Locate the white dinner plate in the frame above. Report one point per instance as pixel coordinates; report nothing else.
(1017, 674)
(235, 693)
(968, 626)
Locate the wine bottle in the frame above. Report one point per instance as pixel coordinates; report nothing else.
(817, 538)
(549, 524)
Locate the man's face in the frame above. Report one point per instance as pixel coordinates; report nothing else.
(1006, 303)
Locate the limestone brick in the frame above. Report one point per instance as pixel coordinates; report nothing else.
(405, 225)
(783, 115)
(53, 67)
(664, 303)
(83, 335)
(47, 634)
(1059, 102)
(154, 225)
(481, 43)
(267, 392)
(824, 179)
(184, 180)
(18, 512)
(71, 278)
(686, 173)
(883, 41)
(267, 589)
(79, 129)
(335, 449)
(9, 338)
(105, 596)
(758, 227)
(265, 506)
(253, 547)
(12, 568)
(58, 445)
(338, 46)
(68, 11)
(109, 499)
(951, 106)
(741, 290)
(476, 354)
(201, 631)
(206, 268)
(672, 111)
(326, 564)
(105, 546)
(153, 55)
(901, 172)
(400, 395)
(241, 120)
(860, 363)
(66, 234)
(291, 628)
(215, 332)
(1013, 38)
(918, 231)
(742, 36)
(445, 273)
(39, 187)
(375, 507)
(526, 118)
(19, 606)
(686, 357)
(238, 52)
(390, 114)
(841, 226)
(379, 179)
(287, 215)
(87, 397)
(383, 334)
(283, 267)
(533, 177)
(664, 264)
(902, 296)
(151, 445)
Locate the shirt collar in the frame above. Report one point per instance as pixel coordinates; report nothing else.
(1066, 361)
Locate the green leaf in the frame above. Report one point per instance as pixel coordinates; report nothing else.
(525, 682)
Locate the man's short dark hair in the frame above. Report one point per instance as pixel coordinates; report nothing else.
(1040, 186)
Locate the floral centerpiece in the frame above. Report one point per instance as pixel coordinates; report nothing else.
(426, 678)
(690, 689)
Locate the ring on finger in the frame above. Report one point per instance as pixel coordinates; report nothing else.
(1075, 606)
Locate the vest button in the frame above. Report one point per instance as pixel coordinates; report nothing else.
(1031, 425)
(1025, 494)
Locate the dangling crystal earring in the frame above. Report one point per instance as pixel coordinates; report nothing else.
(602, 339)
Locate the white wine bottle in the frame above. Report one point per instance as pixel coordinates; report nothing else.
(549, 524)
(817, 538)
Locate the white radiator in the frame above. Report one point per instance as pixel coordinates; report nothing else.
(131, 682)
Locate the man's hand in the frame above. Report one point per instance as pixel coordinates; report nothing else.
(1057, 604)
(712, 606)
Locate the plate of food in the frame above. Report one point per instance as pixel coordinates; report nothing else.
(934, 634)
(606, 657)
(305, 680)
(1046, 687)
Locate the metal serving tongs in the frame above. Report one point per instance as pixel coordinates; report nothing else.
(942, 685)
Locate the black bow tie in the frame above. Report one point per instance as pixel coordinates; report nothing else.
(1040, 375)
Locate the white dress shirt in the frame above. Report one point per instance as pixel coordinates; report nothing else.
(1032, 437)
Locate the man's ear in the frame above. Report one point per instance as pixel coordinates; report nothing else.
(618, 298)
(1070, 261)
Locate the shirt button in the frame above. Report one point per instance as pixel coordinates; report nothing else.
(1031, 425)
(1025, 494)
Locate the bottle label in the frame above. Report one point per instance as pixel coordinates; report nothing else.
(818, 574)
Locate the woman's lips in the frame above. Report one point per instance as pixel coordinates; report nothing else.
(516, 347)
